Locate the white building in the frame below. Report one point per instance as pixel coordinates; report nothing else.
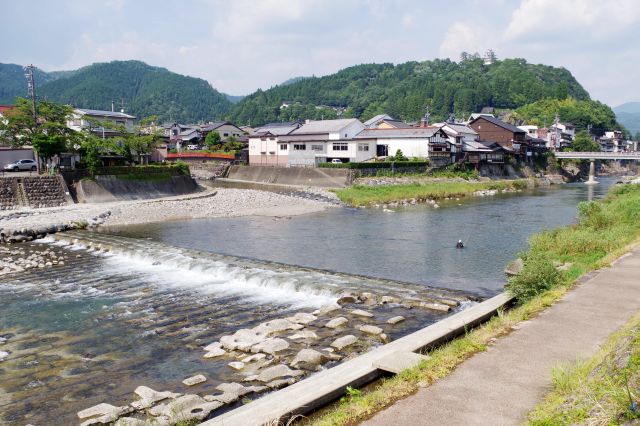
(265, 148)
(416, 142)
(101, 123)
(457, 135)
(531, 130)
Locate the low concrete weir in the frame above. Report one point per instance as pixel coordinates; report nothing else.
(322, 388)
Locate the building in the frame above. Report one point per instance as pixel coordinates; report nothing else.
(181, 135)
(100, 123)
(511, 138)
(457, 135)
(416, 142)
(225, 129)
(264, 144)
(312, 143)
(614, 142)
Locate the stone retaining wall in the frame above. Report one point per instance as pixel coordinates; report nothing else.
(8, 194)
(34, 192)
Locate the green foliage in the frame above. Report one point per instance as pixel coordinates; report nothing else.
(404, 90)
(13, 84)
(182, 168)
(400, 156)
(539, 275)
(213, 140)
(580, 112)
(381, 165)
(49, 136)
(584, 143)
(145, 90)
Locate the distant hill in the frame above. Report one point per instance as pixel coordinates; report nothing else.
(234, 98)
(145, 90)
(405, 90)
(13, 82)
(628, 114)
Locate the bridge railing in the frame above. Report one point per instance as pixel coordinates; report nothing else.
(634, 155)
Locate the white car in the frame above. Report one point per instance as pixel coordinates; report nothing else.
(19, 165)
(192, 147)
(336, 161)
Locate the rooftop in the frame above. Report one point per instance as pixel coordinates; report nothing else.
(500, 123)
(373, 120)
(324, 126)
(99, 113)
(411, 132)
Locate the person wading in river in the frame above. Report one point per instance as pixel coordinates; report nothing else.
(459, 245)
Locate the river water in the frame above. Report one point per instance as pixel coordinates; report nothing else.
(135, 305)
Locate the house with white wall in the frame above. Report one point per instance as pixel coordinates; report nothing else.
(99, 122)
(265, 147)
(415, 142)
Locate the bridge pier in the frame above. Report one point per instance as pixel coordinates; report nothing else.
(592, 173)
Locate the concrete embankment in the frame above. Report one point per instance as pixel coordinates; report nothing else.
(325, 178)
(106, 188)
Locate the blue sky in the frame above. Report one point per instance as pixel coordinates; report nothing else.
(242, 45)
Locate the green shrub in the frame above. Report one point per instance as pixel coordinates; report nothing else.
(538, 275)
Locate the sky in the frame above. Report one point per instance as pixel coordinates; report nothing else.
(242, 45)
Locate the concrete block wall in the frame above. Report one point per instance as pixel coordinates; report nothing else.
(44, 191)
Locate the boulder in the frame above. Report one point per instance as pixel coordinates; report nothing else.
(344, 341)
(361, 313)
(242, 340)
(346, 298)
(514, 267)
(389, 299)
(309, 358)
(185, 409)
(276, 325)
(148, 397)
(215, 353)
(252, 358)
(336, 322)
(102, 414)
(371, 329)
(280, 383)
(304, 334)
(129, 421)
(395, 320)
(302, 318)
(435, 306)
(270, 346)
(194, 380)
(236, 365)
(238, 388)
(212, 346)
(277, 372)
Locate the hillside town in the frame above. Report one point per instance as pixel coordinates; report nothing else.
(482, 139)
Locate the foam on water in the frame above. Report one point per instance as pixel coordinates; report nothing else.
(173, 268)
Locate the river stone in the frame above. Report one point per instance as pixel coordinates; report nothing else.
(225, 398)
(149, 397)
(101, 410)
(308, 357)
(129, 421)
(435, 306)
(238, 388)
(395, 320)
(346, 298)
(242, 339)
(276, 325)
(270, 346)
(304, 334)
(3, 355)
(194, 380)
(277, 372)
(389, 299)
(236, 365)
(514, 267)
(302, 318)
(344, 341)
(252, 358)
(212, 346)
(361, 313)
(336, 322)
(371, 329)
(280, 383)
(215, 353)
(326, 310)
(186, 408)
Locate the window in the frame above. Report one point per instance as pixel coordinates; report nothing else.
(283, 147)
(340, 146)
(317, 148)
(299, 147)
(226, 134)
(363, 147)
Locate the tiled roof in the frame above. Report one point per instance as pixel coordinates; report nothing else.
(276, 131)
(412, 132)
(324, 126)
(100, 113)
(500, 123)
(374, 120)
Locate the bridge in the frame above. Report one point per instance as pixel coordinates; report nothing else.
(597, 155)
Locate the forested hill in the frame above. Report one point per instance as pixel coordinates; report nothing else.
(145, 91)
(13, 82)
(404, 90)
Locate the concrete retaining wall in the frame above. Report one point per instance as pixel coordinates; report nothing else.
(326, 178)
(110, 188)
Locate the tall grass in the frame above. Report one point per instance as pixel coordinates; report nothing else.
(359, 195)
(603, 227)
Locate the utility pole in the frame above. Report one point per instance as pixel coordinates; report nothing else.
(557, 141)
(31, 84)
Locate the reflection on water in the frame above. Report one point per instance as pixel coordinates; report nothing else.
(414, 244)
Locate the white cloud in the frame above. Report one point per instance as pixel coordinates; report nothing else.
(463, 37)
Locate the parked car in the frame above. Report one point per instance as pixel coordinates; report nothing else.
(192, 147)
(336, 161)
(19, 165)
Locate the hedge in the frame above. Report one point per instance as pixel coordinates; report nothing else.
(380, 165)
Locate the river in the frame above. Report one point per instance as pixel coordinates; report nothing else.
(140, 312)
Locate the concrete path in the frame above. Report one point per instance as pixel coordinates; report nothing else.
(500, 386)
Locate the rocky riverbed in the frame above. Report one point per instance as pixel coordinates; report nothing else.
(28, 224)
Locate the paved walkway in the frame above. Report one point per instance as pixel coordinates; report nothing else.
(500, 386)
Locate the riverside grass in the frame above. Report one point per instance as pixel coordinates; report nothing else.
(362, 195)
(603, 234)
(599, 391)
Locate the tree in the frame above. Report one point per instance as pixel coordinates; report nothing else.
(584, 143)
(399, 156)
(48, 135)
(213, 140)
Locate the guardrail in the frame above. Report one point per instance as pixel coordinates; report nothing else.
(575, 155)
